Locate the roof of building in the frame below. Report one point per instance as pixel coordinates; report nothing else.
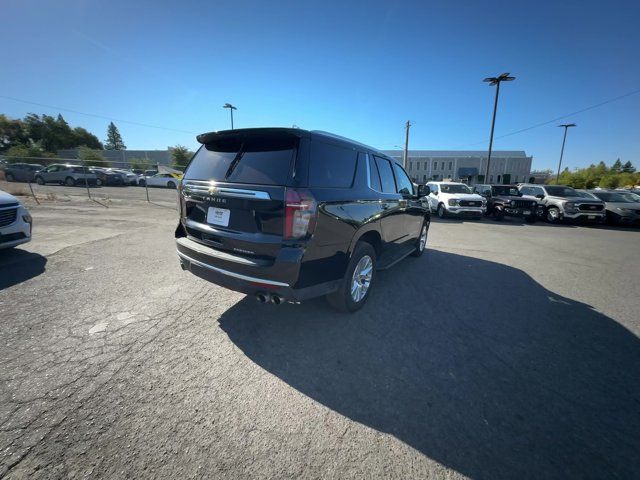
(459, 153)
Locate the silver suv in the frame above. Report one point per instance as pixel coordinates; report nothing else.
(558, 202)
(69, 175)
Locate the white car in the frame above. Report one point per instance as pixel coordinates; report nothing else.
(15, 222)
(128, 178)
(160, 180)
(455, 199)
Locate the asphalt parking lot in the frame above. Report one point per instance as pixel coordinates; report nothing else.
(508, 350)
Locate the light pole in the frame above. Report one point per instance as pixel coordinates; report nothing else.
(564, 139)
(405, 157)
(495, 81)
(231, 109)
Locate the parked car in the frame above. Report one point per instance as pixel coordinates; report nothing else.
(287, 214)
(106, 177)
(506, 201)
(15, 221)
(455, 199)
(69, 175)
(621, 207)
(160, 180)
(21, 172)
(128, 178)
(559, 202)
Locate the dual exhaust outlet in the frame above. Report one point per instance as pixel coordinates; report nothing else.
(264, 297)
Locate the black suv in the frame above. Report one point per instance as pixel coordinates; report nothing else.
(506, 201)
(288, 214)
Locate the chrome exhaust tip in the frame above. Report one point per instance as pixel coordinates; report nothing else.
(262, 297)
(276, 299)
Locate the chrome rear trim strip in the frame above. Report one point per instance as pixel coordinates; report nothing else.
(210, 188)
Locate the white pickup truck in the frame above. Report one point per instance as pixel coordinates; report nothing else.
(455, 199)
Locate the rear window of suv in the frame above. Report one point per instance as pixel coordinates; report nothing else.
(256, 159)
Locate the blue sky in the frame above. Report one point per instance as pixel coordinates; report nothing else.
(356, 68)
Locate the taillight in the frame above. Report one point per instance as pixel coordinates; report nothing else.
(300, 214)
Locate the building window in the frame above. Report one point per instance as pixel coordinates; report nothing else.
(498, 178)
(435, 166)
(417, 165)
(424, 178)
(410, 166)
(442, 165)
(490, 178)
(450, 165)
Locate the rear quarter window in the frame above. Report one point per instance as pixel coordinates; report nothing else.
(386, 175)
(332, 166)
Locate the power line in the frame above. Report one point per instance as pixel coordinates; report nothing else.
(96, 116)
(537, 125)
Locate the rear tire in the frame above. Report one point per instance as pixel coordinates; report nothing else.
(40, 180)
(421, 242)
(347, 298)
(9, 177)
(171, 185)
(142, 183)
(497, 214)
(69, 182)
(442, 212)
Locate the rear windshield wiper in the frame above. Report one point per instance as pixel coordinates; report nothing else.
(234, 162)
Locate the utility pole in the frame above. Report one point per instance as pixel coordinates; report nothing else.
(564, 139)
(406, 145)
(231, 109)
(495, 81)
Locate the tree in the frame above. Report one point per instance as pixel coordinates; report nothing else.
(30, 153)
(12, 133)
(628, 167)
(92, 157)
(114, 139)
(85, 138)
(617, 166)
(609, 181)
(180, 155)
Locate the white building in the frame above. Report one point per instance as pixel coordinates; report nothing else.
(469, 166)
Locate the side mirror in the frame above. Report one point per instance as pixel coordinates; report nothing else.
(435, 193)
(540, 196)
(423, 191)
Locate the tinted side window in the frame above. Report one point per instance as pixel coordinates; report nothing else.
(386, 175)
(405, 187)
(331, 166)
(374, 177)
(433, 188)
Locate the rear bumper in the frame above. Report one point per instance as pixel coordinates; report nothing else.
(250, 276)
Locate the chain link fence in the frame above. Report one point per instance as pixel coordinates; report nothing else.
(116, 183)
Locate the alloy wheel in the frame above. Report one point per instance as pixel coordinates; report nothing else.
(423, 238)
(361, 279)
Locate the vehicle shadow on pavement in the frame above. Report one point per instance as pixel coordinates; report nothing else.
(484, 370)
(17, 266)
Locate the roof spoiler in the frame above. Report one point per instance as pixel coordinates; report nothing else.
(207, 137)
